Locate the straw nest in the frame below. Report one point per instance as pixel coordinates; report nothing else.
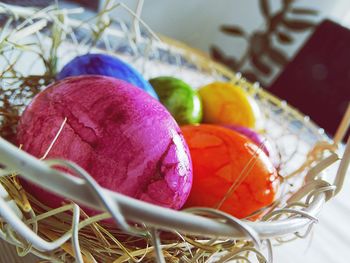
(42, 35)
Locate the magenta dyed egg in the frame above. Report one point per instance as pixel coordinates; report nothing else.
(123, 137)
(257, 138)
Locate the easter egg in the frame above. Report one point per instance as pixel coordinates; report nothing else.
(225, 103)
(105, 65)
(230, 172)
(179, 98)
(125, 139)
(257, 138)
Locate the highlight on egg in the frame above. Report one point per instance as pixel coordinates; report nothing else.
(230, 172)
(257, 138)
(179, 98)
(125, 139)
(105, 65)
(226, 103)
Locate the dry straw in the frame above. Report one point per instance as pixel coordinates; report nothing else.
(42, 33)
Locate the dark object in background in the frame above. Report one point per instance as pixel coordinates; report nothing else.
(261, 52)
(93, 5)
(317, 81)
(38, 3)
(42, 3)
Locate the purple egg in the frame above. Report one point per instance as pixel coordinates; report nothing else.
(257, 138)
(122, 136)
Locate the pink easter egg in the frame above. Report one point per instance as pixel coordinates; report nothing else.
(124, 138)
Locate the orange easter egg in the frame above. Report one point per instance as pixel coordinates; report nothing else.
(230, 172)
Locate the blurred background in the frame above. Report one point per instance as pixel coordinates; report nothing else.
(298, 49)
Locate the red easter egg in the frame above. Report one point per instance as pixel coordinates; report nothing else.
(230, 172)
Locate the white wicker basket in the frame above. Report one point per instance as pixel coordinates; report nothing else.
(296, 212)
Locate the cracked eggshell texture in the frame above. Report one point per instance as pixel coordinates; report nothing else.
(257, 138)
(122, 136)
(105, 65)
(219, 155)
(226, 103)
(179, 98)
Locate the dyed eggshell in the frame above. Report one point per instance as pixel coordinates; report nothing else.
(179, 98)
(257, 138)
(105, 65)
(225, 103)
(219, 156)
(124, 138)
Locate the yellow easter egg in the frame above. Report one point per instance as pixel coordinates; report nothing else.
(225, 103)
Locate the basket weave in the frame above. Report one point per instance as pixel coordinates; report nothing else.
(194, 235)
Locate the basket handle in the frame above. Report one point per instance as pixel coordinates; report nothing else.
(10, 216)
(76, 188)
(343, 127)
(343, 168)
(344, 163)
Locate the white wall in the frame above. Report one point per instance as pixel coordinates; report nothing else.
(196, 22)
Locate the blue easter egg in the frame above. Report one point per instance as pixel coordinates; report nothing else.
(101, 64)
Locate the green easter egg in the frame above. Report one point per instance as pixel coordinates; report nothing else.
(179, 98)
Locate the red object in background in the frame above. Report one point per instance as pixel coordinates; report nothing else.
(317, 81)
